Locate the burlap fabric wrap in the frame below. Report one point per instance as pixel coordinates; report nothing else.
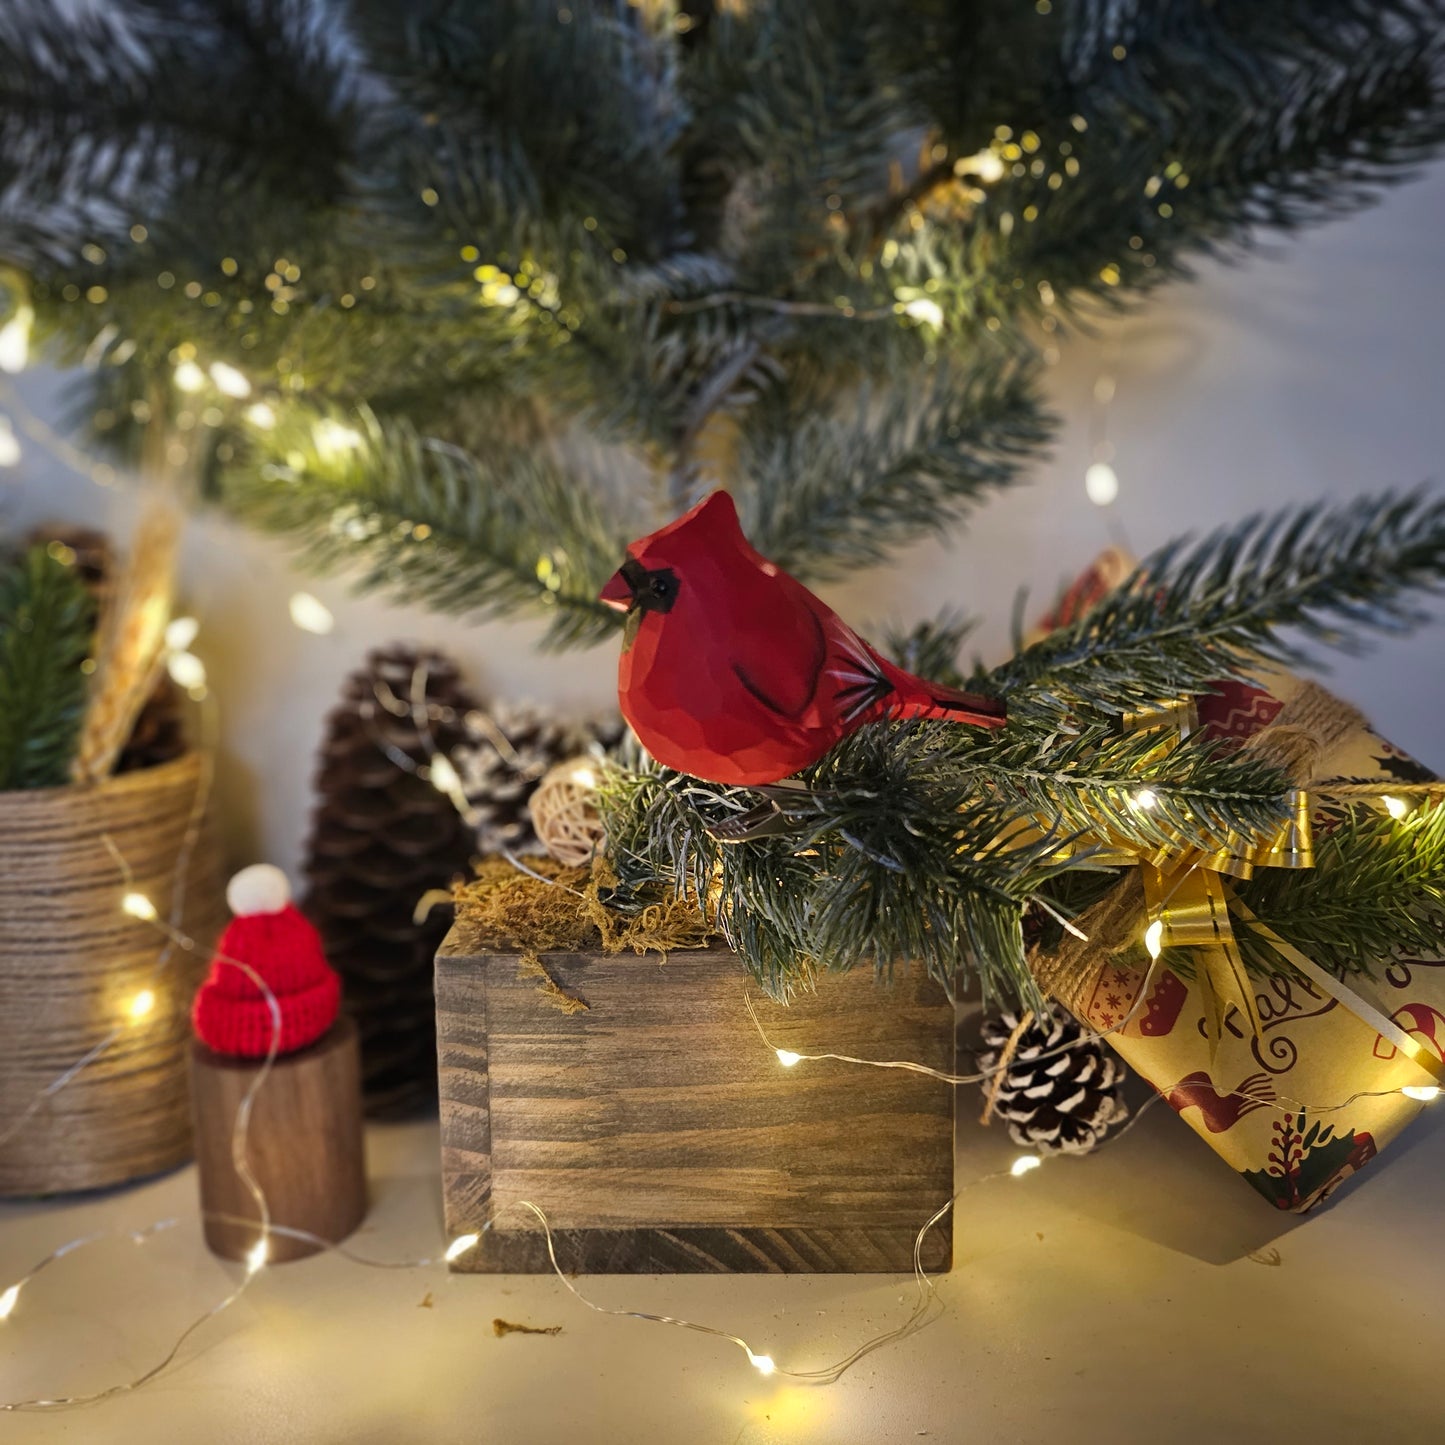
(72, 964)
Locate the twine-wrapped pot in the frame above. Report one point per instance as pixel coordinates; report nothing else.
(75, 971)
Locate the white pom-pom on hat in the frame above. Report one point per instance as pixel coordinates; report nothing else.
(261, 888)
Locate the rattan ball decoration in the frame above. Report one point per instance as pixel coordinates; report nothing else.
(564, 815)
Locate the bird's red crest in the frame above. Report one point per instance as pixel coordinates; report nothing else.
(710, 526)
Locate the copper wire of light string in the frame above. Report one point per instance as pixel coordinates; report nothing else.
(916, 1320)
(986, 1075)
(919, 1317)
(829, 1375)
(239, 1138)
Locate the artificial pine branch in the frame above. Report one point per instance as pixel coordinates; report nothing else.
(470, 73)
(925, 841)
(1377, 889)
(930, 649)
(47, 620)
(1157, 132)
(107, 115)
(830, 493)
(1193, 614)
(425, 521)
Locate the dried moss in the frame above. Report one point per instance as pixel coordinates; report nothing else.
(558, 909)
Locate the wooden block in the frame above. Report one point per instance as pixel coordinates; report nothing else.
(304, 1145)
(658, 1133)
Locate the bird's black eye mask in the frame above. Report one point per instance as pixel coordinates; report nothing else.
(654, 591)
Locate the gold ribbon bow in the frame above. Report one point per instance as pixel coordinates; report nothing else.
(1188, 901)
(1185, 896)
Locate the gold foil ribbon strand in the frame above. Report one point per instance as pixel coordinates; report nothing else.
(1362, 1008)
(1190, 904)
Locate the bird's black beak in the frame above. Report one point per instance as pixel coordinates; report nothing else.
(619, 593)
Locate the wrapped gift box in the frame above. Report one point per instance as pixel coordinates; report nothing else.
(1302, 1106)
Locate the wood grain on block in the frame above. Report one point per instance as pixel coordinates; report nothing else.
(304, 1144)
(658, 1132)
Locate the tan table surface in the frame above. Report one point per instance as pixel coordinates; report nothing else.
(1143, 1294)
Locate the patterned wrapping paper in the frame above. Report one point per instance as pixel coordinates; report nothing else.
(1279, 1107)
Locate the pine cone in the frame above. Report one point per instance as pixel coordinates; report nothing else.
(381, 837)
(1062, 1090)
(159, 734)
(506, 752)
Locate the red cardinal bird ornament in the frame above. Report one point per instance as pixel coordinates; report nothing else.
(732, 671)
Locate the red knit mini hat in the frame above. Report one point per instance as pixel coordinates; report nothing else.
(231, 1015)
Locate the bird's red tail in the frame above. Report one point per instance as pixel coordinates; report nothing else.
(920, 699)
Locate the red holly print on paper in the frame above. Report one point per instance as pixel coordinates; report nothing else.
(1307, 1159)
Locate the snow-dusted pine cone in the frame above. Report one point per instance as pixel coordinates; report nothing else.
(505, 753)
(1062, 1090)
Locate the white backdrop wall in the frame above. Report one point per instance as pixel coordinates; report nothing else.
(1313, 369)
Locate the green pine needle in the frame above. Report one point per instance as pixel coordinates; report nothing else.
(426, 522)
(1377, 890)
(47, 621)
(1194, 614)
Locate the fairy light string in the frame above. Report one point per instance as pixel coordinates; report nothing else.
(440, 772)
(920, 1315)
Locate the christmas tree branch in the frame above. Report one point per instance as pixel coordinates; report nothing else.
(425, 521)
(469, 73)
(47, 622)
(1377, 888)
(830, 493)
(107, 115)
(1193, 614)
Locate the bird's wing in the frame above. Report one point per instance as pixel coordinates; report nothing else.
(784, 665)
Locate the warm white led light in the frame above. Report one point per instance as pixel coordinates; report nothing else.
(256, 1255)
(229, 381)
(787, 1058)
(1146, 798)
(181, 632)
(1154, 938)
(259, 414)
(311, 615)
(460, 1245)
(584, 777)
(922, 309)
(1024, 1163)
(142, 1005)
(139, 906)
(1101, 483)
(443, 775)
(1395, 807)
(7, 1301)
(763, 1364)
(332, 437)
(986, 165)
(190, 377)
(15, 340)
(1423, 1092)
(186, 670)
